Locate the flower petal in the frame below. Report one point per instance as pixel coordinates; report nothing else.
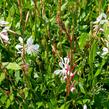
(36, 47)
(61, 64)
(21, 40)
(84, 106)
(29, 41)
(18, 46)
(57, 72)
(72, 75)
(64, 71)
(72, 89)
(3, 23)
(101, 29)
(66, 59)
(100, 18)
(103, 21)
(105, 51)
(62, 61)
(4, 35)
(29, 50)
(104, 15)
(32, 49)
(7, 28)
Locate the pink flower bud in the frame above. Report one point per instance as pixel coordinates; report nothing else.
(72, 75)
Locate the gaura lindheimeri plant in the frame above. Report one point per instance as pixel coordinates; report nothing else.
(100, 21)
(29, 47)
(66, 74)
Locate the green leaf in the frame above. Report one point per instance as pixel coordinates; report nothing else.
(25, 90)
(106, 30)
(2, 77)
(13, 66)
(11, 97)
(63, 7)
(81, 88)
(17, 76)
(79, 102)
(86, 100)
(92, 53)
(39, 104)
(97, 72)
(99, 69)
(65, 106)
(83, 39)
(3, 99)
(8, 103)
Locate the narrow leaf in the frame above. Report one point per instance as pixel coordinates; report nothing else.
(2, 77)
(81, 88)
(92, 53)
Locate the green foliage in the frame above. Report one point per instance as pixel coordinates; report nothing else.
(27, 81)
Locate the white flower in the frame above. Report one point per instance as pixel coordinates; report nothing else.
(4, 36)
(64, 64)
(84, 106)
(101, 19)
(105, 51)
(31, 48)
(3, 23)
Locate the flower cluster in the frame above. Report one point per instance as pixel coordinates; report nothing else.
(29, 47)
(100, 21)
(65, 71)
(4, 33)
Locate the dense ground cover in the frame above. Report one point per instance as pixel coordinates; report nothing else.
(54, 54)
